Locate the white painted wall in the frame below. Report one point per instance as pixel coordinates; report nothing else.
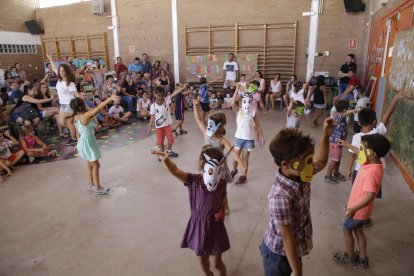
(19, 38)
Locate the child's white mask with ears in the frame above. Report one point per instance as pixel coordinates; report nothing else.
(246, 102)
(212, 127)
(213, 169)
(212, 172)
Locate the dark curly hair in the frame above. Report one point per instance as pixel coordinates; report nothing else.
(378, 143)
(289, 144)
(70, 75)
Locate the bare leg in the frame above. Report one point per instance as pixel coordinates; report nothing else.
(318, 114)
(219, 265)
(95, 174)
(272, 100)
(286, 99)
(349, 242)
(238, 152)
(59, 126)
(331, 167)
(267, 100)
(245, 158)
(205, 265)
(71, 126)
(362, 242)
(19, 155)
(90, 173)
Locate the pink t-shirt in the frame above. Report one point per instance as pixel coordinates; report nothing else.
(368, 179)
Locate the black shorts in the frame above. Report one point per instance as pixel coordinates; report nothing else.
(205, 107)
(179, 113)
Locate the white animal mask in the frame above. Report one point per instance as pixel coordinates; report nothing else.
(212, 171)
(212, 127)
(246, 102)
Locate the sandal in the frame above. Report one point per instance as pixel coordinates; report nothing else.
(343, 258)
(52, 153)
(183, 132)
(233, 173)
(340, 176)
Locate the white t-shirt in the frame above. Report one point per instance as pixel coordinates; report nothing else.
(231, 67)
(299, 97)
(65, 92)
(115, 110)
(162, 114)
(274, 87)
(2, 80)
(292, 121)
(245, 125)
(144, 104)
(361, 103)
(356, 140)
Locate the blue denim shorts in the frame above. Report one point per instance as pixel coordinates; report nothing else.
(351, 224)
(244, 144)
(65, 108)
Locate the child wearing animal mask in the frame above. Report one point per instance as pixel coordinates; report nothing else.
(248, 129)
(160, 115)
(288, 237)
(361, 200)
(214, 135)
(205, 233)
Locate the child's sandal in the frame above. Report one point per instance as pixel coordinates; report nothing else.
(343, 258)
(183, 132)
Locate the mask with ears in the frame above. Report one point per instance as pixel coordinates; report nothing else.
(304, 166)
(364, 153)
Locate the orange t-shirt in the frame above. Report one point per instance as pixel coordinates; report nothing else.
(368, 179)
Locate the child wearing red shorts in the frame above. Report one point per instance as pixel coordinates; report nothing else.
(341, 130)
(160, 115)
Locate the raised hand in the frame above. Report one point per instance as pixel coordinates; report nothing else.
(161, 154)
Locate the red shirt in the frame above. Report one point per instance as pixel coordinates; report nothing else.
(354, 81)
(120, 68)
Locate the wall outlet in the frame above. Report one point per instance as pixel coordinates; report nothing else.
(326, 53)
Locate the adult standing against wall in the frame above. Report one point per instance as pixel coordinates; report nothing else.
(230, 72)
(119, 67)
(135, 67)
(344, 74)
(20, 72)
(66, 90)
(145, 64)
(69, 61)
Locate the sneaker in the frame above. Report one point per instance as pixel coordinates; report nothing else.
(233, 173)
(102, 191)
(367, 223)
(156, 147)
(172, 154)
(182, 131)
(331, 179)
(343, 258)
(91, 187)
(31, 159)
(242, 179)
(364, 263)
(340, 177)
(71, 143)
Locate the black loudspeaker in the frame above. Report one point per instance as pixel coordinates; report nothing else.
(354, 6)
(33, 27)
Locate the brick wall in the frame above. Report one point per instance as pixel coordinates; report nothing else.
(78, 20)
(335, 29)
(15, 13)
(32, 63)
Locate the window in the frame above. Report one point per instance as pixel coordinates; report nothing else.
(53, 3)
(17, 49)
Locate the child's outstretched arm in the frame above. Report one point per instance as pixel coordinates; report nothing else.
(178, 90)
(393, 104)
(53, 65)
(234, 103)
(348, 145)
(89, 114)
(171, 166)
(350, 112)
(321, 157)
(197, 116)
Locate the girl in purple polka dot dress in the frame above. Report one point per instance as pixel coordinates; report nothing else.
(205, 234)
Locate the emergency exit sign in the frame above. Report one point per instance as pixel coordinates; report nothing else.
(352, 43)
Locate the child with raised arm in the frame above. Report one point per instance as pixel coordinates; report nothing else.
(361, 200)
(214, 136)
(87, 145)
(340, 132)
(160, 115)
(288, 237)
(178, 96)
(248, 129)
(206, 233)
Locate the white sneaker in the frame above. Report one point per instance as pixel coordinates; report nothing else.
(156, 147)
(102, 191)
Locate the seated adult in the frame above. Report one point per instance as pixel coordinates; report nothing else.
(275, 92)
(164, 80)
(26, 111)
(15, 93)
(128, 92)
(110, 88)
(46, 109)
(289, 89)
(155, 70)
(351, 91)
(143, 106)
(135, 66)
(117, 113)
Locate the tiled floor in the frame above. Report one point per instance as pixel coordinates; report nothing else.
(51, 225)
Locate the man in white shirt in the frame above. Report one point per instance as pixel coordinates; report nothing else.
(230, 72)
(117, 112)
